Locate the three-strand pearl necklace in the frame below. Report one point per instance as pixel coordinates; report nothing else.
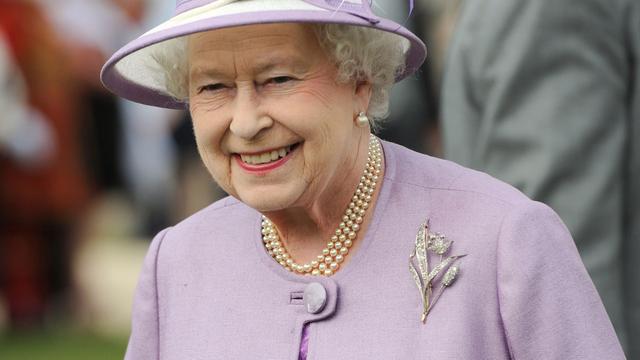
(341, 241)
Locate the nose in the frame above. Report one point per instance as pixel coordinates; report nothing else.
(248, 117)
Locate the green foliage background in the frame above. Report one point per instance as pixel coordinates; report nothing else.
(60, 345)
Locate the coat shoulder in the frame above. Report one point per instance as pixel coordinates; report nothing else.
(224, 219)
(223, 211)
(448, 178)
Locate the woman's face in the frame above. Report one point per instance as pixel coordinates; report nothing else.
(272, 125)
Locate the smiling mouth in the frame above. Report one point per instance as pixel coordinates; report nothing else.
(267, 156)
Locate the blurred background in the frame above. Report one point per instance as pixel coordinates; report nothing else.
(87, 179)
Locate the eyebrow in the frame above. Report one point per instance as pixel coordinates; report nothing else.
(270, 63)
(267, 64)
(199, 71)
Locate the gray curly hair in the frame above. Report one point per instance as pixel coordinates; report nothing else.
(360, 54)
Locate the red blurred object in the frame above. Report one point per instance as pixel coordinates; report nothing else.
(35, 201)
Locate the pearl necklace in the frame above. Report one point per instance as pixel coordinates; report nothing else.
(338, 246)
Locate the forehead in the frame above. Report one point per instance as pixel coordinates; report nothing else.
(263, 40)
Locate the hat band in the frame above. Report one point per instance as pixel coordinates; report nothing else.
(360, 8)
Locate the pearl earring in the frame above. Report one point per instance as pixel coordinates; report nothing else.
(362, 120)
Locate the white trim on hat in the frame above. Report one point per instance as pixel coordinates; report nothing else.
(232, 7)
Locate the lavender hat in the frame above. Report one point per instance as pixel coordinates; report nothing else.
(132, 73)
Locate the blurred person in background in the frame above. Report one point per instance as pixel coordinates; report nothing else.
(439, 18)
(150, 157)
(130, 147)
(88, 32)
(43, 189)
(322, 248)
(544, 95)
(25, 135)
(413, 111)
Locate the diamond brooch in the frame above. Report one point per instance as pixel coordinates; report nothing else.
(444, 274)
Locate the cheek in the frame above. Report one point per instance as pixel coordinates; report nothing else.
(208, 127)
(324, 92)
(316, 109)
(209, 132)
(201, 132)
(215, 161)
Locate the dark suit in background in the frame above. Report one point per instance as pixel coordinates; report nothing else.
(544, 95)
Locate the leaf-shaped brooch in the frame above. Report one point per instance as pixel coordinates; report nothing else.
(445, 271)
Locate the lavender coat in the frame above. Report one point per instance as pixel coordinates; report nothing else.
(208, 289)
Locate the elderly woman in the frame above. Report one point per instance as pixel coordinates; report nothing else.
(334, 244)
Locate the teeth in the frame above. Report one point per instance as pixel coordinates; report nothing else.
(266, 157)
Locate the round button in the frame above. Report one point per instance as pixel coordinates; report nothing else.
(315, 297)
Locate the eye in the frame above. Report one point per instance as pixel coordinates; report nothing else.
(211, 87)
(280, 80)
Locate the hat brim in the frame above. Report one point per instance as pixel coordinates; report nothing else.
(128, 74)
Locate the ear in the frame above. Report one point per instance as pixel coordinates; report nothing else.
(362, 96)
